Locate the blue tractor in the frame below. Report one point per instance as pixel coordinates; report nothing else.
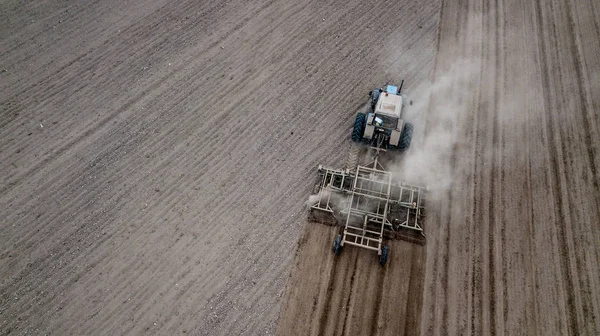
(383, 126)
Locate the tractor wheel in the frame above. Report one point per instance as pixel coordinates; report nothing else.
(405, 137)
(374, 98)
(385, 251)
(337, 244)
(359, 127)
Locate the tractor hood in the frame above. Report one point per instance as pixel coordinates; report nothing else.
(389, 105)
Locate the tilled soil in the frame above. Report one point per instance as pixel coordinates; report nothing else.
(513, 240)
(156, 157)
(351, 293)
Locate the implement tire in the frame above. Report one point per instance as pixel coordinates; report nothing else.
(337, 244)
(359, 127)
(405, 137)
(385, 250)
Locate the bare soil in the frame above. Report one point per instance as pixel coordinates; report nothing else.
(515, 245)
(513, 242)
(156, 157)
(351, 293)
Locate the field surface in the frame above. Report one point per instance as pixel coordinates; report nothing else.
(510, 144)
(515, 242)
(156, 158)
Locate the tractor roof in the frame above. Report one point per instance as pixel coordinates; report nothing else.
(389, 104)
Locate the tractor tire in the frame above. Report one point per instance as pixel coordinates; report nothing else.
(337, 244)
(405, 137)
(359, 127)
(385, 251)
(374, 98)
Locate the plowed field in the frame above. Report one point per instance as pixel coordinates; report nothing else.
(511, 141)
(156, 158)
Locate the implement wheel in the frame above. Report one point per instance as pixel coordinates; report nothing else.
(359, 127)
(337, 244)
(405, 137)
(385, 251)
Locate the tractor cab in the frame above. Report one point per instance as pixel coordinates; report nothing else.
(388, 107)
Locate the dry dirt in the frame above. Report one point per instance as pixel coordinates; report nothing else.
(514, 240)
(156, 156)
(515, 244)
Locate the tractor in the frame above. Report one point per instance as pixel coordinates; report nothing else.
(368, 203)
(383, 126)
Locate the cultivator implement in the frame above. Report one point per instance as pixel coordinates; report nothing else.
(370, 205)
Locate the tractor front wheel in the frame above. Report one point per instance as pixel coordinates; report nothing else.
(359, 127)
(405, 137)
(374, 97)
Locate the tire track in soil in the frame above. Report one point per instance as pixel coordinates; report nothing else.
(345, 328)
(545, 74)
(589, 306)
(376, 310)
(556, 146)
(496, 182)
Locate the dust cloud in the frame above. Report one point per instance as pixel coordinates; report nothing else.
(314, 199)
(336, 200)
(438, 118)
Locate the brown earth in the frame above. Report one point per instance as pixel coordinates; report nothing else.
(156, 156)
(514, 241)
(351, 293)
(515, 245)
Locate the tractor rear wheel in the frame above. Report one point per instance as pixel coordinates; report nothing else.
(337, 244)
(385, 251)
(405, 137)
(359, 127)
